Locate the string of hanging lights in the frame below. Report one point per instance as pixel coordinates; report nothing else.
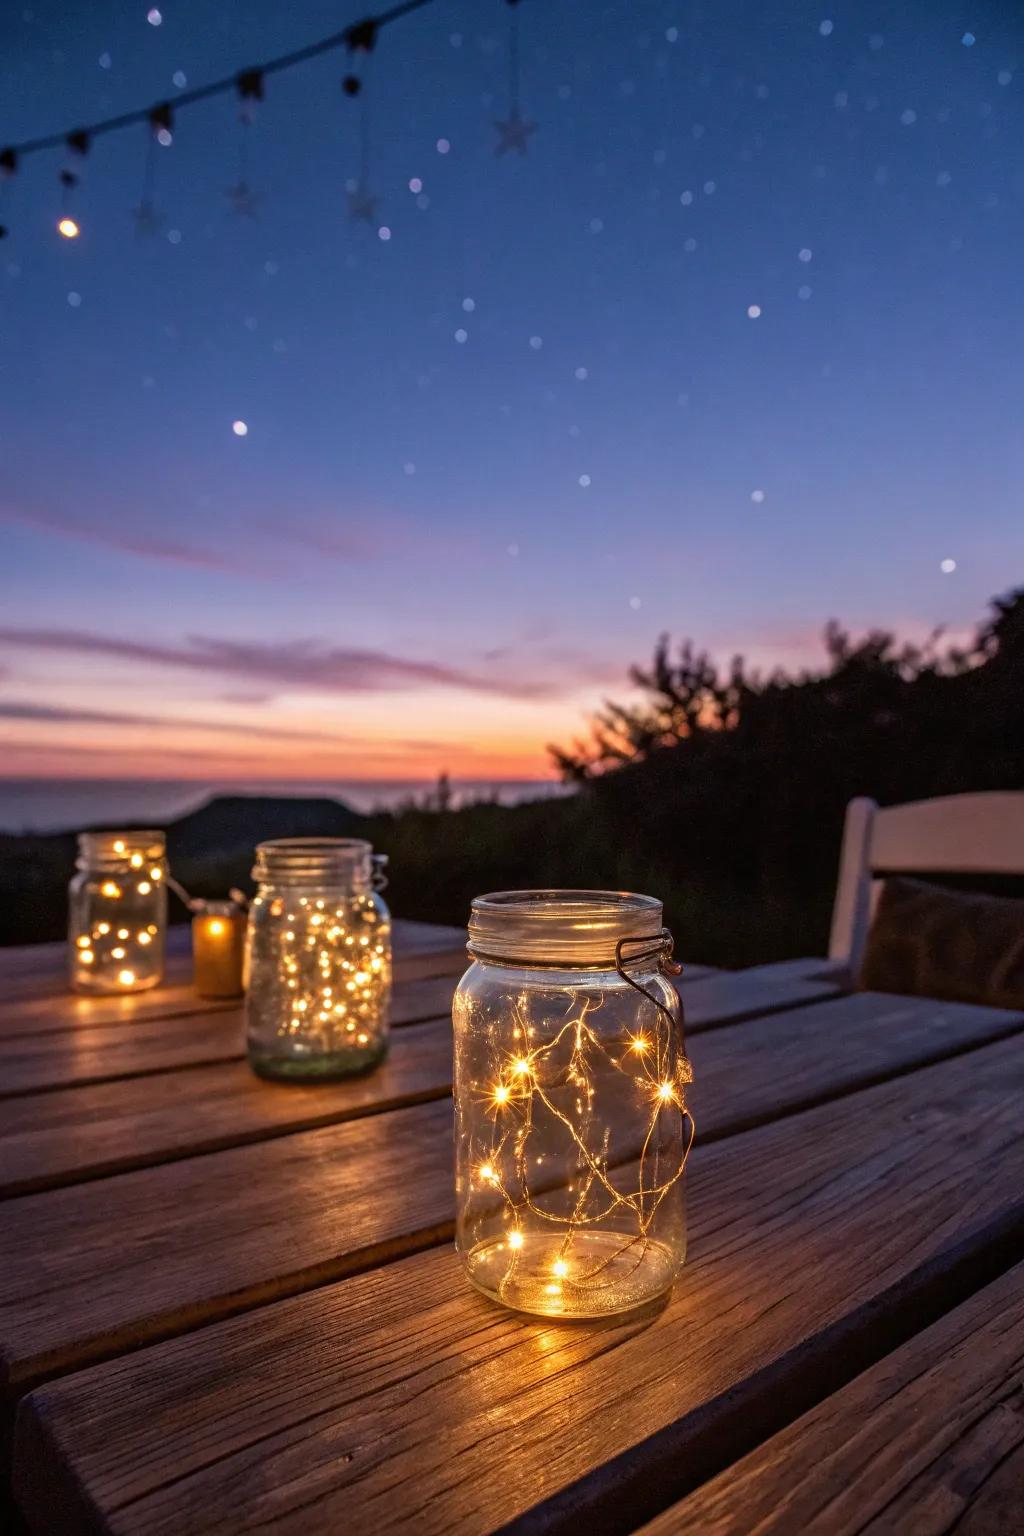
(248, 85)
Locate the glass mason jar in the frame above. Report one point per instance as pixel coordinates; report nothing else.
(117, 912)
(318, 959)
(571, 1124)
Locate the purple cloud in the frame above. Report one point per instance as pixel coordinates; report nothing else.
(301, 664)
(59, 714)
(127, 541)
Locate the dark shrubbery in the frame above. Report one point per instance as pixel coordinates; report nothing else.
(726, 795)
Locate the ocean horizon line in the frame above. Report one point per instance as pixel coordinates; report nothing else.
(52, 805)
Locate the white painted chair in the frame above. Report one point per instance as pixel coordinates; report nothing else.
(962, 834)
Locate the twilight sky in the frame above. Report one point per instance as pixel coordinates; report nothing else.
(736, 347)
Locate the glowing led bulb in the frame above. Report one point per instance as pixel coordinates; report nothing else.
(216, 925)
(488, 1173)
(86, 956)
(68, 228)
(156, 873)
(136, 861)
(126, 978)
(559, 1267)
(122, 933)
(521, 1067)
(665, 1092)
(82, 941)
(515, 1239)
(502, 1093)
(145, 938)
(110, 888)
(117, 954)
(119, 846)
(640, 1044)
(144, 887)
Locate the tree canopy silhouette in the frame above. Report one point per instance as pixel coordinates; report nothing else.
(875, 686)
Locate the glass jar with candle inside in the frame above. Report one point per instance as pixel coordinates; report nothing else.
(571, 1122)
(318, 959)
(218, 948)
(117, 912)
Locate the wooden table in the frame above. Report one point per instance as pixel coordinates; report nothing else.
(231, 1306)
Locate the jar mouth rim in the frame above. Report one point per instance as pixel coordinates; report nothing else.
(148, 841)
(344, 860)
(313, 847)
(552, 927)
(568, 902)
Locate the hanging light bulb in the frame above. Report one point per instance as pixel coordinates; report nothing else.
(67, 226)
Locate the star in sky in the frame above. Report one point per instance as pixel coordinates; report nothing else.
(361, 204)
(243, 199)
(513, 133)
(148, 218)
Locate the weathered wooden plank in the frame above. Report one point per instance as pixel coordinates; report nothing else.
(753, 1072)
(109, 1042)
(96, 1295)
(48, 1015)
(34, 994)
(728, 996)
(54, 1139)
(795, 1060)
(100, 1053)
(44, 993)
(62, 1010)
(929, 1439)
(807, 968)
(66, 1011)
(215, 1234)
(40, 970)
(403, 1397)
(95, 1054)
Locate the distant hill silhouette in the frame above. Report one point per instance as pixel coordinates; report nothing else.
(210, 850)
(227, 824)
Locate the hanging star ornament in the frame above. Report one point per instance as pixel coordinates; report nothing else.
(243, 199)
(513, 133)
(148, 218)
(361, 204)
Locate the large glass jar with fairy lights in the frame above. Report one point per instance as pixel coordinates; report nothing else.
(318, 959)
(571, 1122)
(117, 912)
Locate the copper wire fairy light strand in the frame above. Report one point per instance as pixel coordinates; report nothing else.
(517, 1085)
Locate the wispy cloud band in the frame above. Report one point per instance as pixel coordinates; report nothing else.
(296, 664)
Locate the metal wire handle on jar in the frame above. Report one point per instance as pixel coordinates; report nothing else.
(657, 947)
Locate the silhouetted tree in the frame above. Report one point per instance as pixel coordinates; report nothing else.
(871, 684)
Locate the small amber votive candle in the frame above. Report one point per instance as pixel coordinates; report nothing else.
(218, 948)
